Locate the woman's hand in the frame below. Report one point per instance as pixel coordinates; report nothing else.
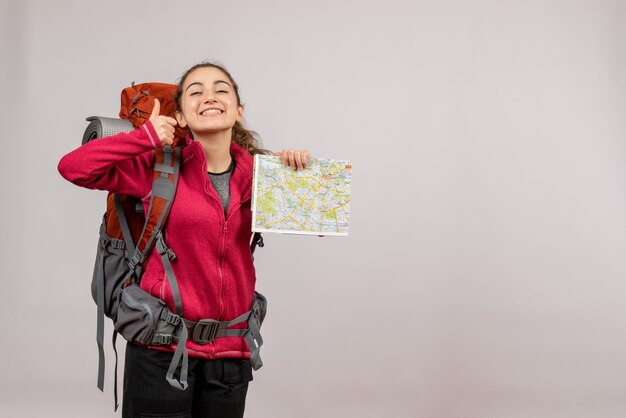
(163, 125)
(294, 159)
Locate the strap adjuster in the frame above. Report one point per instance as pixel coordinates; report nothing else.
(118, 244)
(135, 260)
(163, 249)
(170, 318)
(205, 331)
(161, 339)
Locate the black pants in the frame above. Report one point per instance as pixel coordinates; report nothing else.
(217, 388)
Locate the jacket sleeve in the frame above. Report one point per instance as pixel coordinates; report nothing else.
(121, 163)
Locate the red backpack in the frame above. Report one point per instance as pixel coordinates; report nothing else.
(127, 234)
(138, 101)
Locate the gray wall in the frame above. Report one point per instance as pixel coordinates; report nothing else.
(484, 272)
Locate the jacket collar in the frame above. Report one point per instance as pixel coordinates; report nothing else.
(241, 179)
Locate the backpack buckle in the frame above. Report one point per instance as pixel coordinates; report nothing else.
(118, 244)
(161, 339)
(163, 249)
(205, 331)
(136, 260)
(169, 317)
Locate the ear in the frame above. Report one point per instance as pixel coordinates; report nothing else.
(180, 119)
(239, 113)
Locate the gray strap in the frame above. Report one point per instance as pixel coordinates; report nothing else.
(255, 341)
(161, 187)
(168, 169)
(180, 356)
(128, 238)
(166, 255)
(233, 333)
(114, 340)
(221, 327)
(223, 324)
(100, 303)
(240, 318)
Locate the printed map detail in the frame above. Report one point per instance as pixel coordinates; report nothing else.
(313, 201)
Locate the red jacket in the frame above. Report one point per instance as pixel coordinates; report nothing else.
(213, 265)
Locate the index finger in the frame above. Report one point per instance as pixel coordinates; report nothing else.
(170, 120)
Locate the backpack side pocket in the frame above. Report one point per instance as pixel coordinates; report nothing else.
(143, 318)
(259, 307)
(112, 268)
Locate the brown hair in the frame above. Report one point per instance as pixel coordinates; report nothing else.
(245, 137)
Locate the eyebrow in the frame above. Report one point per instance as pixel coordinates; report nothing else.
(202, 84)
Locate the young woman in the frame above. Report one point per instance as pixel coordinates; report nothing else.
(209, 230)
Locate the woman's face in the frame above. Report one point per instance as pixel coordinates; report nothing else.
(208, 102)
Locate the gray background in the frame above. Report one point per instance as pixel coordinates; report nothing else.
(484, 272)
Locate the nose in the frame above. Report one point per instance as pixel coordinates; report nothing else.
(208, 97)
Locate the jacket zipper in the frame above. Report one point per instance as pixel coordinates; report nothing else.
(222, 254)
(229, 214)
(205, 176)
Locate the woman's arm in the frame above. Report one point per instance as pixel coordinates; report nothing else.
(121, 163)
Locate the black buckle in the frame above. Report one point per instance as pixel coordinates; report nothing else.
(160, 339)
(205, 331)
(136, 260)
(118, 244)
(169, 317)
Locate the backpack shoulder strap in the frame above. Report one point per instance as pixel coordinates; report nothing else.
(166, 168)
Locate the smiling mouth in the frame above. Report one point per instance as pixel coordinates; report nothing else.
(211, 112)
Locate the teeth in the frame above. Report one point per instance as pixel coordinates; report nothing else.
(211, 111)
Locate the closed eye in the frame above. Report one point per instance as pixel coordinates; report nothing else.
(194, 93)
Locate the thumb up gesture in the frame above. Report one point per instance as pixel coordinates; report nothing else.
(163, 125)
